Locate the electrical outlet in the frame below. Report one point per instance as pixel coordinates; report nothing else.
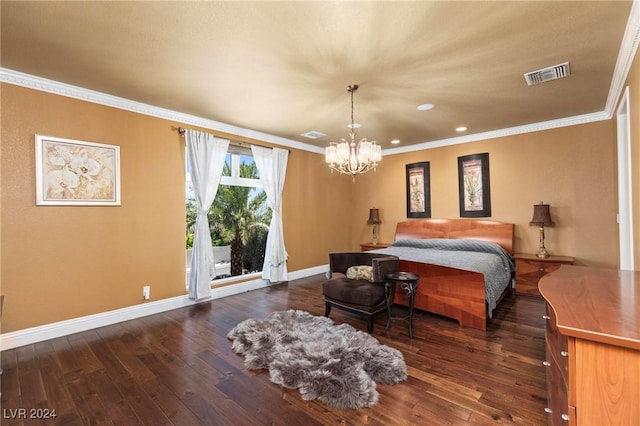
(146, 292)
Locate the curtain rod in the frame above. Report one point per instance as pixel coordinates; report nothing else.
(182, 131)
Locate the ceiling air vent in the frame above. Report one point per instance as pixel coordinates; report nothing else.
(313, 134)
(545, 74)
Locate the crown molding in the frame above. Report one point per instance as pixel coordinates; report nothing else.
(50, 86)
(528, 128)
(627, 53)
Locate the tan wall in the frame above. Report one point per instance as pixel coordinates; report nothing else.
(570, 168)
(317, 211)
(65, 262)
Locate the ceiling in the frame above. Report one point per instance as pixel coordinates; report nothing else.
(282, 68)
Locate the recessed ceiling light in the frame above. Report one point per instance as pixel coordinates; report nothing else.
(425, 107)
(461, 129)
(354, 126)
(395, 141)
(313, 134)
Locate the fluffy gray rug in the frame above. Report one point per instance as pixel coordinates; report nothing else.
(337, 365)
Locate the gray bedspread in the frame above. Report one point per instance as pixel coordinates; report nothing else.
(485, 257)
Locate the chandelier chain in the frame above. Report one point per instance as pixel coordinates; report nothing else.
(352, 89)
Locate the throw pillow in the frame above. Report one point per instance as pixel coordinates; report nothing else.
(360, 272)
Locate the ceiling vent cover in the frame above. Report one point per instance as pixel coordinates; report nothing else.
(545, 74)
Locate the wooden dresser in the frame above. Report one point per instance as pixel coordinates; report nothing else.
(592, 346)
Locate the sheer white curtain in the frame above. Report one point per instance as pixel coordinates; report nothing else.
(206, 157)
(272, 166)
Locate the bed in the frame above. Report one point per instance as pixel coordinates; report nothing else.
(469, 291)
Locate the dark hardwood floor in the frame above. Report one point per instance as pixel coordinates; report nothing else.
(177, 368)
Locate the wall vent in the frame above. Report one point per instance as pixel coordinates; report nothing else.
(546, 74)
(313, 134)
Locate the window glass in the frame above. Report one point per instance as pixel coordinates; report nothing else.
(238, 219)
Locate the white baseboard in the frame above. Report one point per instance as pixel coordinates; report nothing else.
(40, 333)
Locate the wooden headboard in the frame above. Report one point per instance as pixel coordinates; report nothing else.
(497, 232)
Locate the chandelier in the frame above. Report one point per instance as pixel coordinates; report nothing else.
(349, 157)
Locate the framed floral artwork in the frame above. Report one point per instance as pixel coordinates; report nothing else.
(473, 185)
(76, 173)
(418, 190)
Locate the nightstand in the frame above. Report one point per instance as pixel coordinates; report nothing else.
(371, 246)
(530, 268)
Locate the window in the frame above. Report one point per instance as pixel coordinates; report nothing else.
(238, 219)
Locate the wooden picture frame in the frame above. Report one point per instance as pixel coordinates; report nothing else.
(418, 184)
(474, 185)
(76, 173)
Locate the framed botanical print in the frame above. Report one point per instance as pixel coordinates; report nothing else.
(473, 185)
(418, 190)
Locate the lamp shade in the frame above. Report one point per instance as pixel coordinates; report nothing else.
(541, 215)
(374, 216)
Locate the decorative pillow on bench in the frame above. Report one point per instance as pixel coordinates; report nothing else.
(360, 272)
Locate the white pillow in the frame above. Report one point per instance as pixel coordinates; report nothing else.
(360, 272)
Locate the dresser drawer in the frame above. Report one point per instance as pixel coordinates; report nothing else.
(529, 270)
(534, 270)
(557, 345)
(557, 371)
(557, 409)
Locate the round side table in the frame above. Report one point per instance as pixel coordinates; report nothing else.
(409, 283)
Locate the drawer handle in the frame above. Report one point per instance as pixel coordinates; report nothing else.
(547, 410)
(547, 317)
(564, 353)
(546, 363)
(565, 417)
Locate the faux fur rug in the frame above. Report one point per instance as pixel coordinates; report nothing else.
(337, 365)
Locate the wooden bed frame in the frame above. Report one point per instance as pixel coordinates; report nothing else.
(451, 292)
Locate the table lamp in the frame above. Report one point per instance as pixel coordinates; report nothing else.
(374, 219)
(541, 218)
